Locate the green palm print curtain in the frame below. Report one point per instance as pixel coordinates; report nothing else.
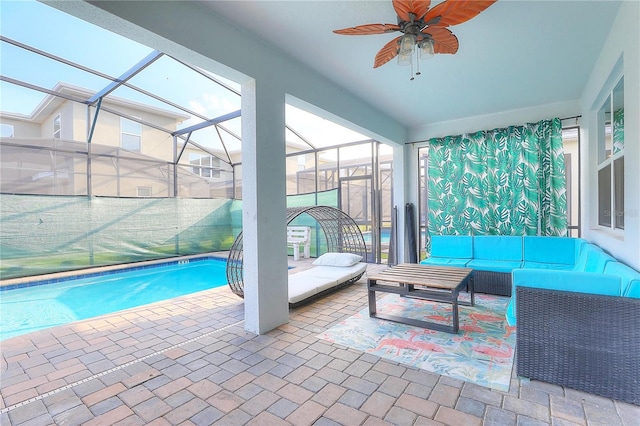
(507, 181)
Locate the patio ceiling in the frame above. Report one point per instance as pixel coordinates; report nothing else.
(516, 54)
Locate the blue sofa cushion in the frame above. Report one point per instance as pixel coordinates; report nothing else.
(592, 259)
(579, 282)
(494, 247)
(633, 289)
(494, 265)
(444, 261)
(551, 250)
(452, 246)
(630, 277)
(552, 266)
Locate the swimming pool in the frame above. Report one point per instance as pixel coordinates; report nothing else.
(27, 309)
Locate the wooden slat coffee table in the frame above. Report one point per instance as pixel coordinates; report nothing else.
(435, 283)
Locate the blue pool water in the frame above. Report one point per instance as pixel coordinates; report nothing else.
(28, 309)
(385, 235)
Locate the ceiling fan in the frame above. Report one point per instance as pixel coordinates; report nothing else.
(422, 27)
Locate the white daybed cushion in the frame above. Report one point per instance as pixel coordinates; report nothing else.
(303, 286)
(337, 259)
(312, 281)
(339, 273)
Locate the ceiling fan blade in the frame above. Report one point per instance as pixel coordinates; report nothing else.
(368, 29)
(444, 41)
(418, 7)
(387, 53)
(454, 12)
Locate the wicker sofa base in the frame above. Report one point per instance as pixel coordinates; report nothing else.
(582, 341)
(498, 283)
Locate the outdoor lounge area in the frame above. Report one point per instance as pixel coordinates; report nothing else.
(578, 303)
(232, 213)
(190, 360)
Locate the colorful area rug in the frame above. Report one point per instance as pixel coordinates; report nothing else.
(482, 351)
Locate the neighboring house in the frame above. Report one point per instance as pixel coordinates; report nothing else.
(46, 152)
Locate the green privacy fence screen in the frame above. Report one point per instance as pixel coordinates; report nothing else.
(43, 234)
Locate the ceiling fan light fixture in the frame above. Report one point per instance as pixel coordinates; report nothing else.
(404, 59)
(426, 48)
(407, 43)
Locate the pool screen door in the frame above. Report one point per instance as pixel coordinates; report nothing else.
(358, 201)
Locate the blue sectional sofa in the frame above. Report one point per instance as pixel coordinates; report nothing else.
(495, 258)
(576, 309)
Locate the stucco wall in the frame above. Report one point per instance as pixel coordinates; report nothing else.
(622, 50)
(21, 128)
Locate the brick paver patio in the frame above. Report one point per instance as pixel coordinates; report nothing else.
(189, 361)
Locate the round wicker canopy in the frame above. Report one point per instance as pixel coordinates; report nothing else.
(341, 232)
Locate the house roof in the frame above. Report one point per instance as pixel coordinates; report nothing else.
(515, 54)
(51, 102)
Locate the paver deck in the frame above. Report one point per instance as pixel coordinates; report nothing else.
(190, 361)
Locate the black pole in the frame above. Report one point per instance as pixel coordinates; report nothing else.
(410, 234)
(393, 238)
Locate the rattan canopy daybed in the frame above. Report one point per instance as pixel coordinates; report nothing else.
(336, 232)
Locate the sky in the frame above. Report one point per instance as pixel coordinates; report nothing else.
(63, 35)
(55, 32)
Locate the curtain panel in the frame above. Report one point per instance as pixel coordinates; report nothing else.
(508, 181)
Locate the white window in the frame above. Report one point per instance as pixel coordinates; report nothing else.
(144, 191)
(130, 135)
(611, 159)
(204, 165)
(571, 143)
(57, 127)
(6, 131)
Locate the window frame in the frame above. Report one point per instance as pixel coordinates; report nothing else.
(611, 215)
(573, 165)
(57, 126)
(9, 129)
(211, 169)
(144, 191)
(124, 120)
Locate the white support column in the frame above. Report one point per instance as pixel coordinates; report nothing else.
(264, 230)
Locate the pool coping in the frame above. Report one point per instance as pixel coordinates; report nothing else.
(37, 280)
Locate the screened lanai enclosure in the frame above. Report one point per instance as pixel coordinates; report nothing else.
(122, 153)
